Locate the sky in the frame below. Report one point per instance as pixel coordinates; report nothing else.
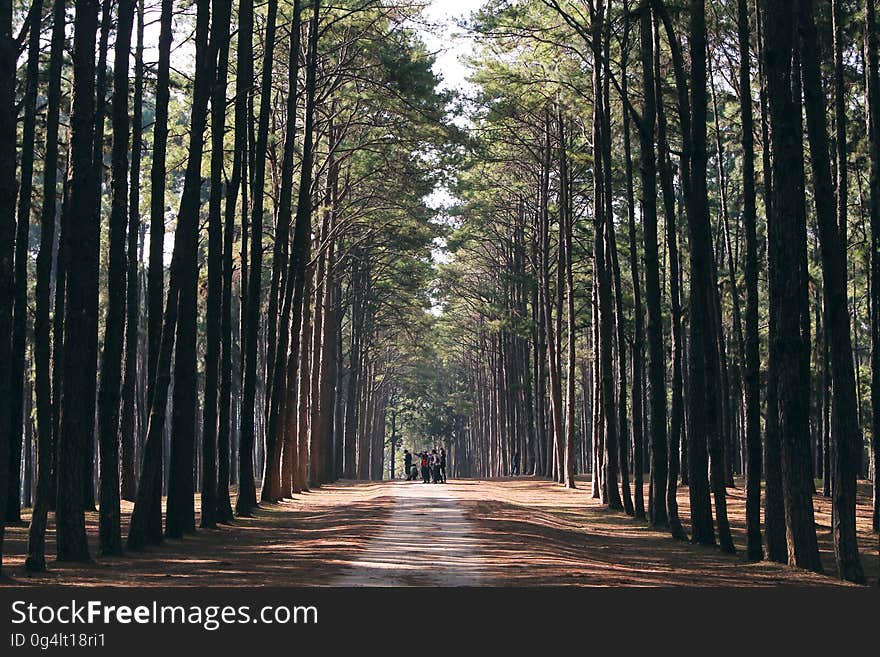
(445, 38)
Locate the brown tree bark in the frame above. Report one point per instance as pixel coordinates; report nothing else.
(247, 493)
(36, 559)
(75, 430)
(873, 107)
(638, 348)
(566, 221)
(22, 233)
(657, 510)
(676, 423)
(788, 286)
(237, 182)
(751, 374)
(299, 259)
(844, 413)
(704, 347)
(613, 264)
(93, 279)
(109, 524)
(128, 422)
(180, 511)
(156, 268)
(272, 489)
(8, 57)
(220, 46)
(774, 507)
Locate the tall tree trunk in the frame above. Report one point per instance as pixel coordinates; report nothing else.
(75, 431)
(751, 375)
(774, 507)
(844, 413)
(317, 434)
(657, 511)
(704, 363)
(22, 233)
(353, 384)
(873, 106)
(247, 495)
(180, 512)
(728, 398)
(542, 248)
(676, 423)
(613, 265)
(638, 316)
(299, 258)
(8, 56)
(322, 427)
(93, 280)
(156, 270)
(36, 559)
(788, 285)
(566, 220)
(146, 521)
(109, 530)
(220, 45)
(301, 475)
(237, 180)
(277, 371)
(127, 423)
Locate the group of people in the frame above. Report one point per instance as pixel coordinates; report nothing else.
(432, 466)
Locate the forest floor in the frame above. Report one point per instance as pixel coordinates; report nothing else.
(506, 532)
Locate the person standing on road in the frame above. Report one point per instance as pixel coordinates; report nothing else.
(407, 464)
(442, 465)
(426, 472)
(435, 466)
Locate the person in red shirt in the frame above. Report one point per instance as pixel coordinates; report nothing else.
(426, 472)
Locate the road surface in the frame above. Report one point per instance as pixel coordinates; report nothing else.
(426, 541)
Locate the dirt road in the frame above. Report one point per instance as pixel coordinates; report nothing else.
(427, 540)
(522, 532)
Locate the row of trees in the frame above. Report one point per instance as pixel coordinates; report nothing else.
(229, 242)
(665, 266)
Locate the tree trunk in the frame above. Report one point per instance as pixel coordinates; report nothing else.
(75, 431)
(676, 422)
(146, 521)
(8, 57)
(638, 316)
(156, 271)
(566, 221)
(128, 425)
(227, 419)
(657, 511)
(180, 512)
(788, 285)
(109, 531)
(704, 362)
(36, 560)
(751, 375)
(247, 495)
(297, 266)
(873, 103)
(220, 45)
(613, 264)
(844, 413)
(272, 489)
(22, 233)
(94, 276)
